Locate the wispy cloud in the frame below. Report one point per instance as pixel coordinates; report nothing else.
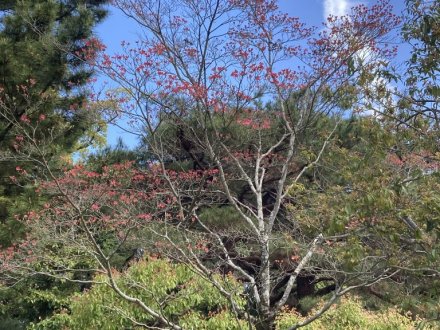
(341, 8)
(336, 7)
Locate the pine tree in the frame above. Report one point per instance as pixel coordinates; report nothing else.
(43, 75)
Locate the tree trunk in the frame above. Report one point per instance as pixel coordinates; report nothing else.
(266, 322)
(305, 286)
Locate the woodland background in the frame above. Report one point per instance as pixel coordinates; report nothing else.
(285, 176)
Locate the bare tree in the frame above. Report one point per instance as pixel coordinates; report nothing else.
(196, 84)
(194, 90)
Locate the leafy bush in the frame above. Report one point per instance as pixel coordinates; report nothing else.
(182, 296)
(349, 314)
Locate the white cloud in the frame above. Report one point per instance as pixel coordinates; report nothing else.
(341, 8)
(336, 7)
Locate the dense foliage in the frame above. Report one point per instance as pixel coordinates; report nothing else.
(282, 180)
(181, 294)
(195, 304)
(43, 78)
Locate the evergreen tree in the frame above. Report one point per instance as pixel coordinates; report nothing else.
(43, 78)
(44, 45)
(43, 75)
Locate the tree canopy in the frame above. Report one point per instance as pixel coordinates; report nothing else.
(279, 172)
(43, 77)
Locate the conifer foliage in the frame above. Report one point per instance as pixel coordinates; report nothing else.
(43, 78)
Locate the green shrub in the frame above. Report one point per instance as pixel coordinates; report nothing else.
(183, 296)
(349, 314)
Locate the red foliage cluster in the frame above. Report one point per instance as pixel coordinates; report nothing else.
(423, 161)
(90, 49)
(118, 195)
(117, 199)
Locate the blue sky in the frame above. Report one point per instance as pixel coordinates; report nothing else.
(117, 27)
